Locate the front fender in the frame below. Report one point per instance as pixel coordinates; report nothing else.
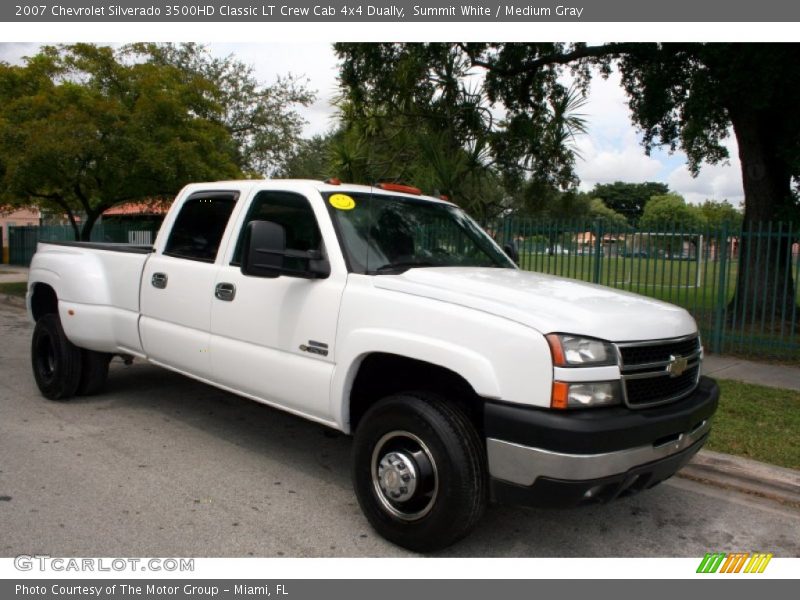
(473, 367)
(510, 381)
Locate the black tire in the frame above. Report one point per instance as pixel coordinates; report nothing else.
(55, 360)
(94, 372)
(445, 506)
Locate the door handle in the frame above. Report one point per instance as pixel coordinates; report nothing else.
(225, 291)
(159, 280)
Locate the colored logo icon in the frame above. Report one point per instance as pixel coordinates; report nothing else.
(734, 562)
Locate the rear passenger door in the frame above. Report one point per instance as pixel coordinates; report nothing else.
(178, 284)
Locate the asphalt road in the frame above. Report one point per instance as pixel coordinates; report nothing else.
(159, 465)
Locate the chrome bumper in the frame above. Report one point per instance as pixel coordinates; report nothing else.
(523, 465)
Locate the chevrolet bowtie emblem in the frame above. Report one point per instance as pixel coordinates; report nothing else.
(677, 365)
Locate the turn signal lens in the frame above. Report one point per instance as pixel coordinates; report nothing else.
(560, 395)
(555, 349)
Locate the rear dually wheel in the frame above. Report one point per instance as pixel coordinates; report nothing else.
(55, 360)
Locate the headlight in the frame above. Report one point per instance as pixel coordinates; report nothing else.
(585, 394)
(573, 351)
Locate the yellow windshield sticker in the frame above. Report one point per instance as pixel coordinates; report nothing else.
(342, 202)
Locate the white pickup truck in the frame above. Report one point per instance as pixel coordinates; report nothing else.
(393, 317)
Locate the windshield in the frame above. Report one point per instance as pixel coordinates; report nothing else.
(388, 234)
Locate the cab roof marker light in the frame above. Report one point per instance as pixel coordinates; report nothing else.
(398, 187)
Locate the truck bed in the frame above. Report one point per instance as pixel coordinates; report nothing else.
(97, 285)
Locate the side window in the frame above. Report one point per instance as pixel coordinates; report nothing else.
(294, 212)
(199, 227)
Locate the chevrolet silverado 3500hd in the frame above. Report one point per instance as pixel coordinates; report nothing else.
(393, 317)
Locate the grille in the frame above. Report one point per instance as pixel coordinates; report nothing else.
(642, 355)
(645, 376)
(661, 387)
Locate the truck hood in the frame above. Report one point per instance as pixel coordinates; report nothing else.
(545, 302)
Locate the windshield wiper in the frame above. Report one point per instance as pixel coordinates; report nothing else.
(400, 267)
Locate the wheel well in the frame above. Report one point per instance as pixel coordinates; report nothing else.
(43, 301)
(381, 375)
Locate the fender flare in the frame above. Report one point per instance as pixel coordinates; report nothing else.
(475, 368)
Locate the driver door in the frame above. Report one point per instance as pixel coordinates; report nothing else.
(274, 338)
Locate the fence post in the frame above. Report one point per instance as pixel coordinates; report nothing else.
(598, 248)
(722, 291)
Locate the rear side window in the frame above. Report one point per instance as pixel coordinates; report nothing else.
(199, 227)
(291, 210)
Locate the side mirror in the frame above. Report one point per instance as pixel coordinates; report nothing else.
(512, 252)
(264, 249)
(264, 253)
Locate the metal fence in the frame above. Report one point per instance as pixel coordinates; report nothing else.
(701, 270)
(740, 286)
(22, 241)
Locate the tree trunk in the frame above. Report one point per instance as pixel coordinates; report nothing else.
(74, 223)
(765, 288)
(88, 224)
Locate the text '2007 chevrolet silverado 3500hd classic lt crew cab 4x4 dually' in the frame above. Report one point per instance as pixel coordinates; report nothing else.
(393, 317)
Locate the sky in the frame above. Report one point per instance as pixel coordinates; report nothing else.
(610, 150)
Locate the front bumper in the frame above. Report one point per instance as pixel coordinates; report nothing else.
(550, 458)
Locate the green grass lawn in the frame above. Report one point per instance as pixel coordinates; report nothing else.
(677, 282)
(757, 422)
(14, 289)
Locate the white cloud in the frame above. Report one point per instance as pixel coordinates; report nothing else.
(612, 151)
(623, 160)
(13, 52)
(314, 61)
(717, 182)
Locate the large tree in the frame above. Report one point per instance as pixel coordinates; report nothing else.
(262, 119)
(671, 211)
(84, 127)
(689, 96)
(629, 198)
(721, 213)
(418, 112)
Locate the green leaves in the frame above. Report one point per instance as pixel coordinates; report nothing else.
(629, 198)
(85, 127)
(671, 209)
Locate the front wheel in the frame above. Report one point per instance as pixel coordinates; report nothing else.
(419, 471)
(55, 360)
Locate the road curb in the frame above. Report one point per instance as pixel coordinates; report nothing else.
(745, 475)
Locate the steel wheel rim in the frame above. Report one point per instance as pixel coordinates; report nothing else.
(398, 448)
